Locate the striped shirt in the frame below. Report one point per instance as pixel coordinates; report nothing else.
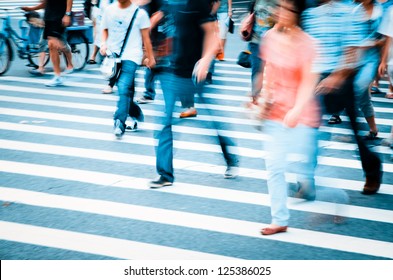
(335, 30)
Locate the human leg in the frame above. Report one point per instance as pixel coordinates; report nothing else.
(126, 86)
(363, 79)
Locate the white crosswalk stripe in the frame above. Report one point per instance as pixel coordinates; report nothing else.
(69, 186)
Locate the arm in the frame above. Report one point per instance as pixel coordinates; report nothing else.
(37, 7)
(151, 62)
(211, 45)
(155, 19)
(230, 8)
(67, 19)
(384, 56)
(104, 37)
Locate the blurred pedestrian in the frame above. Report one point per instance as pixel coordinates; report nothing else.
(289, 107)
(375, 85)
(158, 34)
(264, 20)
(119, 19)
(386, 65)
(368, 13)
(340, 41)
(194, 43)
(57, 17)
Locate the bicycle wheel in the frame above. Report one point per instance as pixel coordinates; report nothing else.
(5, 55)
(79, 49)
(34, 58)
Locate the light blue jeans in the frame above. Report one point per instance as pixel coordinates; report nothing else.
(363, 79)
(302, 141)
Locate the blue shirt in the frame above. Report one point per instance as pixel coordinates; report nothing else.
(333, 28)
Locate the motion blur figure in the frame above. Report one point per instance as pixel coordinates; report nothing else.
(340, 43)
(289, 108)
(194, 43)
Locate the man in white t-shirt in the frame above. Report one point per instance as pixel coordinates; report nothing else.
(115, 22)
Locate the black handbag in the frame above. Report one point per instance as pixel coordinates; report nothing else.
(244, 59)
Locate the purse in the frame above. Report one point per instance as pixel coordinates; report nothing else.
(246, 27)
(244, 59)
(111, 64)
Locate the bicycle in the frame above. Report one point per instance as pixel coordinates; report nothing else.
(78, 37)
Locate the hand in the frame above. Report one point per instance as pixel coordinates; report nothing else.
(66, 21)
(330, 84)
(291, 119)
(150, 62)
(203, 68)
(382, 69)
(103, 49)
(26, 9)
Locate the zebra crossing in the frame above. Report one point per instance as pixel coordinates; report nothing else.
(70, 190)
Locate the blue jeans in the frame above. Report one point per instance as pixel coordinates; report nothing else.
(302, 141)
(174, 87)
(256, 62)
(363, 79)
(126, 87)
(150, 91)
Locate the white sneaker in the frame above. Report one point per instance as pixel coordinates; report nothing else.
(107, 90)
(56, 81)
(68, 71)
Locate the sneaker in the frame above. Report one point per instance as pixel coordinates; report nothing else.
(160, 182)
(107, 90)
(36, 72)
(132, 128)
(335, 119)
(231, 172)
(118, 129)
(375, 90)
(68, 71)
(191, 112)
(371, 135)
(145, 100)
(56, 81)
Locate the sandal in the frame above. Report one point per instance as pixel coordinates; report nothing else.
(371, 135)
(335, 119)
(375, 90)
(91, 61)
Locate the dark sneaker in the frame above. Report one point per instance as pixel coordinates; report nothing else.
(145, 100)
(118, 129)
(160, 182)
(335, 119)
(132, 127)
(231, 172)
(371, 136)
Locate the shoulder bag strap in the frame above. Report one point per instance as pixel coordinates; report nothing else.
(128, 32)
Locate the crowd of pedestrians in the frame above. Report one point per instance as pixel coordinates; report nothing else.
(308, 58)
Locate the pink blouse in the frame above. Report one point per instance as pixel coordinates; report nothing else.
(286, 56)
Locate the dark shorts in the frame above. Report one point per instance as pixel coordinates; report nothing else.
(54, 29)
